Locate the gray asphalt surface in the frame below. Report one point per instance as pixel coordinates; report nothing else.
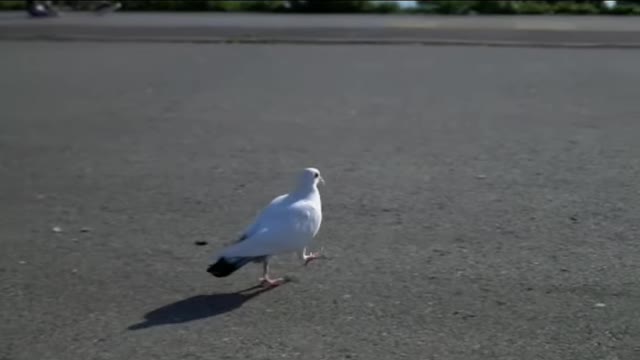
(481, 203)
(558, 31)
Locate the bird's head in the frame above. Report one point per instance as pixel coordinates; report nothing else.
(310, 177)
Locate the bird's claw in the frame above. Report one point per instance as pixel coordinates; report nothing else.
(309, 258)
(267, 282)
(312, 256)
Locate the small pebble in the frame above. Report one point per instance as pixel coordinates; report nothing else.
(22, 262)
(600, 305)
(56, 229)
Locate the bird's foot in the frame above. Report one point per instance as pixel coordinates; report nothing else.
(312, 256)
(268, 282)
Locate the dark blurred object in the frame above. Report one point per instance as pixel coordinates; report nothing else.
(106, 7)
(41, 9)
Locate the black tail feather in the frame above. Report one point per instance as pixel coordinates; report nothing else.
(227, 266)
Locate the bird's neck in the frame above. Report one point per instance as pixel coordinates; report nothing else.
(305, 190)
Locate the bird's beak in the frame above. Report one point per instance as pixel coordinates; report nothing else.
(321, 180)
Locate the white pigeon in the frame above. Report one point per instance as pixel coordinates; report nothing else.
(287, 224)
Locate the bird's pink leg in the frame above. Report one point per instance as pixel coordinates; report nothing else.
(266, 280)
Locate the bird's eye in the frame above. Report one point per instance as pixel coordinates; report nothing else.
(316, 175)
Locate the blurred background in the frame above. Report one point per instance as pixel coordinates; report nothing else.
(587, 7)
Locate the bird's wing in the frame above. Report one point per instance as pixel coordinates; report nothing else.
(278, 232)
(264, 213)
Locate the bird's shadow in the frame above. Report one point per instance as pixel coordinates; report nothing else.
(198, 307)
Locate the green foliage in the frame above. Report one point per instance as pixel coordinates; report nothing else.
(253, 6)
(624, 9)
(456, 7)
(12, 5)
(470, 7)
(329, 6)
(584, 7)
(533, 7)
(494, 7)
(452, 7)
(201, 5)
(308, 6)
(264, 5)
(385, 8)
(160, 5)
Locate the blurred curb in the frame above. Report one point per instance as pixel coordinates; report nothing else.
(326, 36)
(318, 41)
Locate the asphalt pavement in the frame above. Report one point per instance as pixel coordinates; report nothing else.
(480, 203)
(547, 31)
